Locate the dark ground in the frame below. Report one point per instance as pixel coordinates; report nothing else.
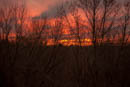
(34, 65)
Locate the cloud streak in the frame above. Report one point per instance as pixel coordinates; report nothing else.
(40, 6)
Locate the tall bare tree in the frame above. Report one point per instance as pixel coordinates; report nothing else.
(124, 23)
(38, 29)
(109, 14)
(20, 16)
(6, 21)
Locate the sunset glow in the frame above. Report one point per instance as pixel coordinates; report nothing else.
(65, 42)
(75, 25)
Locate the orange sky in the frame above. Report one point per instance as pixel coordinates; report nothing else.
(36, 7)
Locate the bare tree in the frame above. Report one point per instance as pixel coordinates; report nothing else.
(101, 15)
(20, 15)
(56, 34)
(6, 22)
(1, 24)
(57, 30)
(38, 29)
(123, 32)
(124, 23)
(91, 8)
(107, 21)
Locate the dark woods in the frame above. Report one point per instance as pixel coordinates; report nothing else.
(26, 60)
